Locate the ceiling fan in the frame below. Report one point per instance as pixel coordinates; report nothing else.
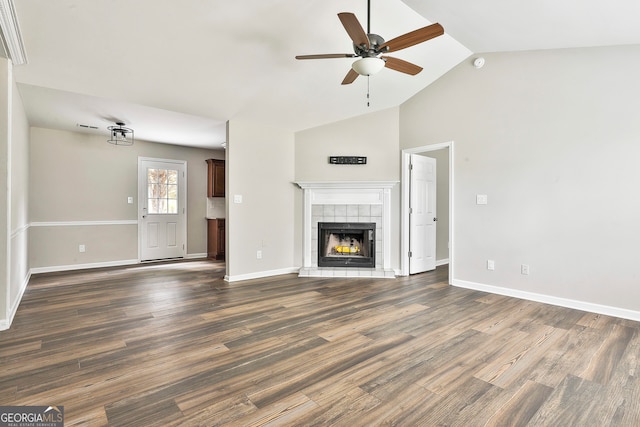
(370, 48)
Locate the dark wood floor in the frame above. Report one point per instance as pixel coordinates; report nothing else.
(174, 345)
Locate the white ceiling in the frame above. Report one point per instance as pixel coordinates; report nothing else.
(507, 25)
(177, 71)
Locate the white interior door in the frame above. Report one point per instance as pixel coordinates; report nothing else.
(162, 222)
(422, 214)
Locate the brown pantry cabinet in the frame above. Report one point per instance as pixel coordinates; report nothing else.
(215, 238)
(215, 178)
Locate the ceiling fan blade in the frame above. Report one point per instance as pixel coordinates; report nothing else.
(327, 56)
(350, 77)
(414, 37)
(401, 65)
(354, 29)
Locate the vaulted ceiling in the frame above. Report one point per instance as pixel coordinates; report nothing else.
(177, 71)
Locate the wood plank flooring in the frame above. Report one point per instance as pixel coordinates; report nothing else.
(172, 344)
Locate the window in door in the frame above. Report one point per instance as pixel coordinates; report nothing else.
(162, 190)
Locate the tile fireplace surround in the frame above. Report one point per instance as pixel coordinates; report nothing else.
(344, 201)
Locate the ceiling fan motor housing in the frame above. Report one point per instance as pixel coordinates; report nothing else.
(375, 41)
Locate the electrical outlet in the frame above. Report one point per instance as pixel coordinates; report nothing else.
(491, 264)
(82, 248)
(524, 269)
(258, 254)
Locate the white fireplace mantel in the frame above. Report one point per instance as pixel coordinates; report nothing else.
(347, 184)
(352, 193)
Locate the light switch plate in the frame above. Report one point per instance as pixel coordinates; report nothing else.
(237, 198)
(130, 200)
(481, 199)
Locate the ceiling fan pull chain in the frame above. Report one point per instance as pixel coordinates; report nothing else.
(368, 77)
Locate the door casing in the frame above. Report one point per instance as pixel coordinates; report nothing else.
(182, 205)
(405, 197)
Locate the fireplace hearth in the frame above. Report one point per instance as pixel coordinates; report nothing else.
(347, 244)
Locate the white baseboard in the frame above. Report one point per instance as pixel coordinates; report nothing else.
(549, 299)
(261, 274)
(56, 268)
(196, 256)
(6, 323)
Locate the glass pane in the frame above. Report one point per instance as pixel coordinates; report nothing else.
(162, 206)
(152, 175)
(162, 191)
(162, 176)
(172, 177)
(153, 191)
(152, 206)
(172, 206)
(172, 191)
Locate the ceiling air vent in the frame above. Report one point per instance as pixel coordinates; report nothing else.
(86, 126)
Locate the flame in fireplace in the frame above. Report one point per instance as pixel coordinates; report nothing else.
(347, 249)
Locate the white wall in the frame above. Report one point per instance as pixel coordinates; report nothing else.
(14, 219)
(552, 137)
(78, 177)
(375, 136)
(19, 164)
(5, 143)
(259, 167)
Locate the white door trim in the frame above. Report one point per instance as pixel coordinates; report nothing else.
(141, 200)
(404, 214)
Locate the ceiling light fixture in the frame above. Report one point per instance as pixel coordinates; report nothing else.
(120, 135)
(368, 66)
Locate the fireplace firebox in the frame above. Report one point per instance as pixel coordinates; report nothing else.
(347, 244)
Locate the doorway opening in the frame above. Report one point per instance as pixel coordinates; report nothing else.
(445, 224)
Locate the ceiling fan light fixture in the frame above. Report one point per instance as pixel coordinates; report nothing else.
(368, 66)
(120, 135)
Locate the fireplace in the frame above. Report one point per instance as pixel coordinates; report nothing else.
(347, 244)
(340, 202)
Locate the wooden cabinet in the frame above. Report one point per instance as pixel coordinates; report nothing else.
(215, 178)
(215, 238)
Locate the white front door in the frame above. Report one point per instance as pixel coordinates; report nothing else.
(422, 216)
(162, 222)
